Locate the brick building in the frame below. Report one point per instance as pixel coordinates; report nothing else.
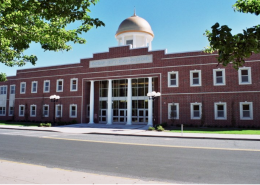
(112, 87)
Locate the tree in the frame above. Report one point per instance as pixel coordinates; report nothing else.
(41, 21)
(235, 48)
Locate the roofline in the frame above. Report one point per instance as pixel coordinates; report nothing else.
(134, 31)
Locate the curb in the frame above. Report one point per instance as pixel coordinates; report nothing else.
(142, 135)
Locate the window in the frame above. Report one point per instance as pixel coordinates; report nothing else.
(73, 84)
(220, 111)
(11, 111)
(246, 110)
(3, 89)
(128, 42)
(195, 110)
(33, 111)
(45, 111)
(2, 111)
(58, 111)
(195, 78)
(73, 111)
(173, 110)
(34, 87)
(46, 86)
(22, 87)
(21, 110)
(59, 85)
(12, 89)
(173, 79)
(244, 75)
(219, 77)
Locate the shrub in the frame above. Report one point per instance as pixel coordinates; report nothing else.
(164, 124)
(151, 128)
(45, 124)
(160, 128)
(74, 121)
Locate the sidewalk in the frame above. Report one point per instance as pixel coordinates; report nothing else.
(130, 130)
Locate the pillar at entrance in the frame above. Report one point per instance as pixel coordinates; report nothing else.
(129, 101)
(109, 103)
(150, 103)
(91, 104)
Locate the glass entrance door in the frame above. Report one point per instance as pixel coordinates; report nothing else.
(122, 117)
(103, 116)
(143, 115)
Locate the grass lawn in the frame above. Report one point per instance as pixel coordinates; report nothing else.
(19, 124)
(217, 130)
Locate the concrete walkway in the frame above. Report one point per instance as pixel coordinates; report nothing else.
(131, 130)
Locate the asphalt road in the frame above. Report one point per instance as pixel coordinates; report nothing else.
(161, 159)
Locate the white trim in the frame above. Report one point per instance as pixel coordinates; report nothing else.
(250, 110)
(187, 56)
(48, 97)
(22, 92)
(56, 110)
(20, 106)
(31, 106)
(3, 86)
(34, 82)
(211, 93)
(35, 69)
(240, 76)
(44, 86)
(177, 78)
(216, 110)
(57, 85)
(215, 77)
(11, 89)
(47, 115)
(71, 116)
(199, 78)
(3, 110)
(192, 110)
(169, 110)
(71, 84)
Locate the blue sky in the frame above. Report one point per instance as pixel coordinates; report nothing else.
(178, 26)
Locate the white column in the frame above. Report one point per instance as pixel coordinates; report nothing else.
(150, 45)
(129, 101)
(123, 40)
(150, 104)
(146, 42)
(91, 103)
(109, 103)
(134, 41)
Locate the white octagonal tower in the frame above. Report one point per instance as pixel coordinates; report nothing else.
(135, 31)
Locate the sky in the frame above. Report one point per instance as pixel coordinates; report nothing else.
(178, 26)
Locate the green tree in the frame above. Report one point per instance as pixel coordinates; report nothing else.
(235, 48)
(41, 21)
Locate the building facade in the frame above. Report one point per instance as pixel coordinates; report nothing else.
(112, 87)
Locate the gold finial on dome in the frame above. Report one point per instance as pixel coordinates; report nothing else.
(134, 12)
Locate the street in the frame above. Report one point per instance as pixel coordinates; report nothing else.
(174, 160)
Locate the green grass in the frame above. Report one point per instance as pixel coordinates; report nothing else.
(217, 130)
(19, 124)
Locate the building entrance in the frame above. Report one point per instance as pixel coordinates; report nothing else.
(103, 116)
(143, 116)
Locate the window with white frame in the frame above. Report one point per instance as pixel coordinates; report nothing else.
(2, 111)
(195, 110)
(33, 111)
(21, 110)
(3, 89)
(59, 85)
(34, 87)
(73, 84)
(219, 77)
(244, 75)
(73, 111)
(11, 111)
(58, 111)
(220, 111)
(246, 110)
(45, 110)
(173, 110)
(46, 86)
(195, 78)
(12, 89)
(22, 87)
(173, 79)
